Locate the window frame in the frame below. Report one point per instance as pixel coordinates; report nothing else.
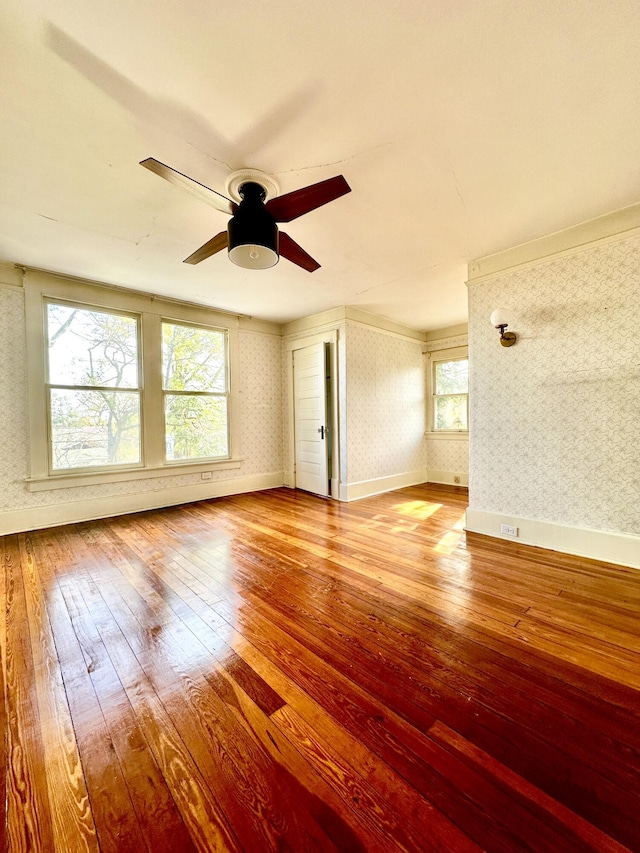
(438, 357)
(172, 391)
(49, 385)
(41, 288)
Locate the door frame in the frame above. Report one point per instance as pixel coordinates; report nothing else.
(329, 337)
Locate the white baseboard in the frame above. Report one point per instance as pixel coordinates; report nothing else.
(620, 548)
(367, 488)
(17, 521)
(448, 478)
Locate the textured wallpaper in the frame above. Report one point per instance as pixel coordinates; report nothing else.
(448, 455)
(385, 403)
(555, 420)
(261, 391)
(260, 383)
(14, 435)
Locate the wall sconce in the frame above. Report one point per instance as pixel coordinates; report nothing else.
(500, 319)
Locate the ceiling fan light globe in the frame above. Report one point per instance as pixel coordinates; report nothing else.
(253, 257)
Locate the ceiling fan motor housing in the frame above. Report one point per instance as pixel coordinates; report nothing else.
(253, 233)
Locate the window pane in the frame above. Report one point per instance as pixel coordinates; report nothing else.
(193, 359)
(94, 428)
(451, 412)
(452, 377)
(196, 427)
(88, 347)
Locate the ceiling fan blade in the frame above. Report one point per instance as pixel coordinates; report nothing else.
(287, 207)
(215, 244)
(290, 250)
(208, 196)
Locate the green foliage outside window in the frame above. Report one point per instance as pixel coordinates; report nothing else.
(451, 387)
(194, 367)
(95, 388)
(94, 397)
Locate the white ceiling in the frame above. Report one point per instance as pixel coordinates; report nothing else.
(463, 127)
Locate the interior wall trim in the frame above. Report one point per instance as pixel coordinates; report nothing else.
(368, 488)
(332, 318)
(611, 227)
(447, 343)
(50, 276)
(447, 478)
(72, 512)
(11, 276)
(620, 548)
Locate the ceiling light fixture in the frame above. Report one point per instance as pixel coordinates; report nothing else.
(253, 233)
(500, 319)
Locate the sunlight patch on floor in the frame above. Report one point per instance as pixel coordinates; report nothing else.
(448, 543)
(417, 509)
(375, 523)
(404, 527)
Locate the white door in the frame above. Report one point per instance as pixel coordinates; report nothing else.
(310, 419)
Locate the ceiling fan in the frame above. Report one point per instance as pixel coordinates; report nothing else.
(252, 236)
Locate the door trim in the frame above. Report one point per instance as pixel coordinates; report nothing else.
(329, 337)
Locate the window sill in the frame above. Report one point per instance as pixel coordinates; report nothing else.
(449, 436)
(96, 478)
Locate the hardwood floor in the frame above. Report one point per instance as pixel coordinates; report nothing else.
(275, 671)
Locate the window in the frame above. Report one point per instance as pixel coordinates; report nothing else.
(126, 386)
(450, 384)
(93, 387)
(194, 383)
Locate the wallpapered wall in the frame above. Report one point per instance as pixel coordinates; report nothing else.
(448, 456)
(260, 383)
(385, 403)
(555, 426)
(261, 391)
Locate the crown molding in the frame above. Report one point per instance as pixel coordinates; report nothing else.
(611, 226)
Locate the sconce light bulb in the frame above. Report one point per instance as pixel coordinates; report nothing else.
(499, 317)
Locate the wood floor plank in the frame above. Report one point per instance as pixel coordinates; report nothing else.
(345, 820)
(578, 828)
(72, 821)
(430, 817)
(385, 844)
(159, 820)
(239, 751)
(274, 671)
(29, 824)
(465, 677)
(390, 842)
(3, 701)
(200, 810)
(235, 772)
(616, 795)
(439, 832)
(114, 816)
(435, 773)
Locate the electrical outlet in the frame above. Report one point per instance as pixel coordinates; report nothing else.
(456, 479)
(508, 530)
(206, 475)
